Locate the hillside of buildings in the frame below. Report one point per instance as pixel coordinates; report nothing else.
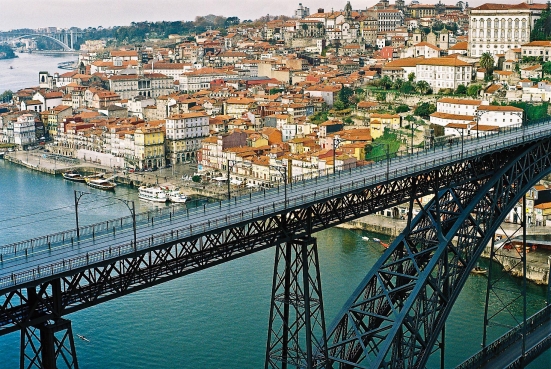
(316, 91)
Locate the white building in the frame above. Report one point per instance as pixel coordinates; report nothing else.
(444, 72)
(184, 133)
(496, 28)
(24, 130)
(537, 49)
(200, 79)
(148, 85)
(501, 116)
(451, 105)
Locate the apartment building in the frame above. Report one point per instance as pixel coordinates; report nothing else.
(184, 133)
(496, 28)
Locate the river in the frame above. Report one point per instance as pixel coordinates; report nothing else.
(216, 318)
(26, 67)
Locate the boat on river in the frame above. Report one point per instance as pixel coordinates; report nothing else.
(155, 194)
(174, 195)
(74, 176)
(100, 183)
(479, 270)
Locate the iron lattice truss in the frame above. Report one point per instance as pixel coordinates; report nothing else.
(296, 333)
(396, 315)
(81, 288)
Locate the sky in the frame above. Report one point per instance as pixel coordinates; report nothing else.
(107, 13)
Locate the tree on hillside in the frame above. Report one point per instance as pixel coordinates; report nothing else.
(385, 82)
(487, 62)
(423, 87)
(473, 90)
(545, 69)
(542, 26)
(425, 110)
(345, 95)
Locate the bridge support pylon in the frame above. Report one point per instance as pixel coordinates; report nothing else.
(48, 346)
(296, 313)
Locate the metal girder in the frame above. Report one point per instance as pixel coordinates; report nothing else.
(395, 316)
(296, 333)
(48, 346)
(81, 288)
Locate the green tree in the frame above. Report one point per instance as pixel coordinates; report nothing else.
(385, 82)
(487, 62)
(339, 105)
(345, 94)
(398, 83)
(423, 87)
(542, 26)
(473, 90)
(425, 110)
(461, 90)
(402, 108)
(380, 96)
(407, 88)
(546, 68)
(411, 76)
(6, 96)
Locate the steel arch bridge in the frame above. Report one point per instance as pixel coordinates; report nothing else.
(60, 43)
(396, 316)
(393, 319)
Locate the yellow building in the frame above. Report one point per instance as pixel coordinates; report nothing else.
(378, 123)
(150, 147)
(52, 117)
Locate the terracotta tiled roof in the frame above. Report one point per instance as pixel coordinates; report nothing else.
(451, 100)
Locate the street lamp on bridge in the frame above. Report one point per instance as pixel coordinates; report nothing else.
(80, 194)
(387, 151)
(230, 164)
(282, 170)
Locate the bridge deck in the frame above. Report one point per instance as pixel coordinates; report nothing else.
(30, 262)
(506, 352)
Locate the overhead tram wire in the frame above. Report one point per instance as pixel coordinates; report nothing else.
(70, 207)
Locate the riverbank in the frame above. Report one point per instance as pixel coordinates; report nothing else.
(537, 269)
(40, 161)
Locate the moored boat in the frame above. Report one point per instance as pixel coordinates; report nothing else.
(155, 194)
(2, 153)
(176, 196)
(74, 176)
(100, 183)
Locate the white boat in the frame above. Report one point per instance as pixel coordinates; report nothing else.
(155, 194)
(100, 183)
(174, 195)
(365, 238)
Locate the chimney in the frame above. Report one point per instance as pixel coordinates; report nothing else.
(321, 10)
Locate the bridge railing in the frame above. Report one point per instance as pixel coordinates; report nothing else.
(70, 236)
(502, 343)
(228, 220)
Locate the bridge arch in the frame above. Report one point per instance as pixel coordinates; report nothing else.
(60, 43)
(395, 316)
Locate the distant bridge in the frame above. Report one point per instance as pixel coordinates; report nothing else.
(66, 40)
